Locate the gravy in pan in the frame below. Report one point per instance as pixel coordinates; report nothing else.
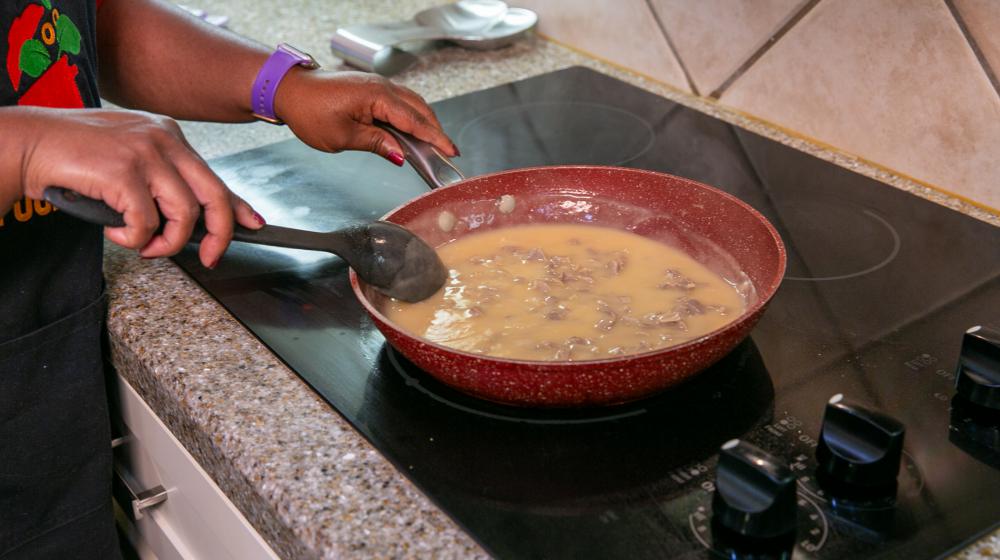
(568, 292)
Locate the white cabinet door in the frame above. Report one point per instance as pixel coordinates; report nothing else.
(196, 520)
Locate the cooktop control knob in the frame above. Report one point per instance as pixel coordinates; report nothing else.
(978, 376)
(859, 451)
(754, 494)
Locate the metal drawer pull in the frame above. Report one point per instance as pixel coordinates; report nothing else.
(147, 499)
(140, 500)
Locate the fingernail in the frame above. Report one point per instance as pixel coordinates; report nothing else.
(457, 153)
(259, 218)
(396, 158)
(214, 264)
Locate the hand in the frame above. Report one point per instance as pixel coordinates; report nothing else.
(334, 111)
(135, 162)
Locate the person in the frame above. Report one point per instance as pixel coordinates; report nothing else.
(55, 453)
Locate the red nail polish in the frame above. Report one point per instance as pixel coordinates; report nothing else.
(259, 218)
(457, 153)
(214, 264)
(396, 158)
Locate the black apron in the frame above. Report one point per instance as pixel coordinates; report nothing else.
(55, 441)
(55, 469)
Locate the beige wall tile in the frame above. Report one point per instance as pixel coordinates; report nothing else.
(714, 37)
(893, 81)
(621, 31)
(982, 17)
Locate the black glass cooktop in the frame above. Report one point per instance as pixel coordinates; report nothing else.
(881, 286)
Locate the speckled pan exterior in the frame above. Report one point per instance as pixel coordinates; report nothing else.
(705, 222)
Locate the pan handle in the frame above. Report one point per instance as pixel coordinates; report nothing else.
(433, 167)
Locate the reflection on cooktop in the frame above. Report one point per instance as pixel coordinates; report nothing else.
(738, 372)
(589, 454)
(414, 377)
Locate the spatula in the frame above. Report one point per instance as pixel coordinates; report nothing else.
(387, 256)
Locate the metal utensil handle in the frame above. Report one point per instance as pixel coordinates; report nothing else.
(435, 168)
(391, 34)
(97, 212)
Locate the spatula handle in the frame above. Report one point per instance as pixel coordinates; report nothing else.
(87, 209)
(97, 212)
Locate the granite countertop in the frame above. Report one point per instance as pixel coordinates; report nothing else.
(310, 484)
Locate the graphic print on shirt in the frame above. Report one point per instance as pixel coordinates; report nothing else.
(48, 62)
(31, 38)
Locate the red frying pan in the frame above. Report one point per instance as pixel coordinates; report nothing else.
(717, 229)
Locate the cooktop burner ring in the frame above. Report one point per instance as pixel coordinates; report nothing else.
(620, 135)
(888, 258)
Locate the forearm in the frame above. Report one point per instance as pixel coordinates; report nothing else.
(156, 57)
(12, 147)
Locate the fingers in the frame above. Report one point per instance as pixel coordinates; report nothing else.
(334, 112)
(179, 188)
(141, 165)
(185, 190)
(418, 104)
(133, 200)
(178, 207)
(245, 214)
(419, 122)
(214, 197)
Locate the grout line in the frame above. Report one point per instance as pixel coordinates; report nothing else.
(785, 27)
(674, 89)
(732, 116)
(974, 45)
(673, 48)
(817, 143)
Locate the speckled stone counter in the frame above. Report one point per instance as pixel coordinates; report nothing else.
(300, 474)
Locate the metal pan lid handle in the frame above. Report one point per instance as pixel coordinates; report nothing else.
(436, 169)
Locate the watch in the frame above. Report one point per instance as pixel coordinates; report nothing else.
(270, 75)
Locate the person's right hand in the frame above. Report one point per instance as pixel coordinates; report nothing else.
(135, 162)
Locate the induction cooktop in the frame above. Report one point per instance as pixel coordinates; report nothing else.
(881, 287)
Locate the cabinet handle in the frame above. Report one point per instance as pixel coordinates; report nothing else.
(140, 500)
(147, 499)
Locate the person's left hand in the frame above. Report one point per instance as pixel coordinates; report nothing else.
(334, 111)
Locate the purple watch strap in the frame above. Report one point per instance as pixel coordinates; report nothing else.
(268, 78)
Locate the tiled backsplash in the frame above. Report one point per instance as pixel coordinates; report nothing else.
(910, 85)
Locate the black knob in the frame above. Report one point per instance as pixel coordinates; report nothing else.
(859, 451)
(978, 376)
(754, 493)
